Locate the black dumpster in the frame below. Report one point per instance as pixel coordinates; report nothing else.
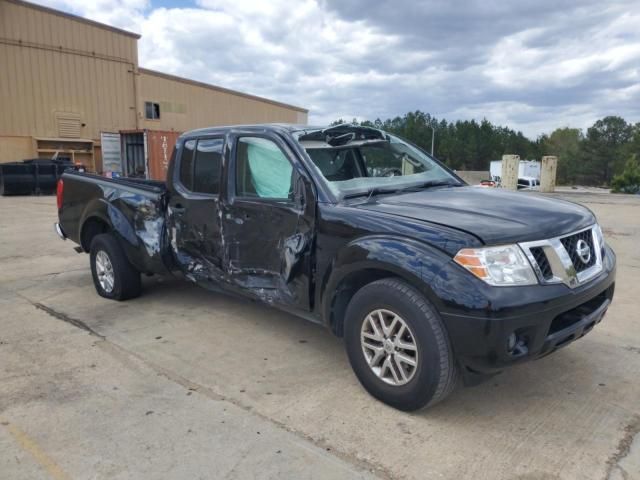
(33, 176)
(17, 178)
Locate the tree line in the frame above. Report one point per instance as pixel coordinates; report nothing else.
(593, 157)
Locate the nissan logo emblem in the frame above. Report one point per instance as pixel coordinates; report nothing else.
(583, 251)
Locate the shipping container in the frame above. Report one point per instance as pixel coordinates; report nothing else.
(159, 147)
(144, 153)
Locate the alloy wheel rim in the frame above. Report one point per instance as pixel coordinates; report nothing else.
(104, 269)
(389, 347)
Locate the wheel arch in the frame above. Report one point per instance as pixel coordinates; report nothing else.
(372, 258)
(92, 226)
(101, 216)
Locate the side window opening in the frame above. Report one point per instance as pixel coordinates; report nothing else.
(201, 164)
(186, 164)
(208, 165)
(262, 170)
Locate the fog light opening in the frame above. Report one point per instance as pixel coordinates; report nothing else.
(517, 345)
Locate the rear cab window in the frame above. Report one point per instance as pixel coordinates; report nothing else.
(201, 165)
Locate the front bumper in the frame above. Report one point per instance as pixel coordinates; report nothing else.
(544, 318)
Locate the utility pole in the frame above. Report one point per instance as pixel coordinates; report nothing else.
(433, 136)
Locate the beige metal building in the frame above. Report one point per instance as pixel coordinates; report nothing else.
(73, 86)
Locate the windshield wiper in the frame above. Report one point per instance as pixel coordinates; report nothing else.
(433, 183)
(413, 188)
(370, 192)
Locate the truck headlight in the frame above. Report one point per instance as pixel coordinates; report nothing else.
(499, 266)
(599, 235)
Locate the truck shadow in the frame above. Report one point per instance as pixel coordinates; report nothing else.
(294, 343)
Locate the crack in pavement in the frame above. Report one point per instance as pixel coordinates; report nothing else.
(624, 447)
(66, 318)
(41, 275)
(376, 469)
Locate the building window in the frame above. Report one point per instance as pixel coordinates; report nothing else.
(152, 110)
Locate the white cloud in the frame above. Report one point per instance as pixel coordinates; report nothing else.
(382, 58)
(517, 61)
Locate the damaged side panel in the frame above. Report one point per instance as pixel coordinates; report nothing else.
(133, 210)
(268, 252)
(252, 245)
(195, 241)
(139, 220)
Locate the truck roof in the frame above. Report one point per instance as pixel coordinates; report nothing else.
(310, 132)
(260, 127)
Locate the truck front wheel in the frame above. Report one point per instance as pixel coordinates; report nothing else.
(397, 345)
(113, 276)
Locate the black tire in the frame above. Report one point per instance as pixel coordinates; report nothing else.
(436, 373)
(126, 279)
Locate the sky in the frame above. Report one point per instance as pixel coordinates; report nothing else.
(530, 65)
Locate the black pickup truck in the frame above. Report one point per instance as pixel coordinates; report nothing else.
(426, 278)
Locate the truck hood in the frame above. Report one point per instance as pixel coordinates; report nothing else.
(494, 216)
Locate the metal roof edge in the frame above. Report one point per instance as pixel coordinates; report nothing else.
(220, 89)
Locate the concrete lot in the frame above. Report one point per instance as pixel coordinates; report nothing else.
(182, 383)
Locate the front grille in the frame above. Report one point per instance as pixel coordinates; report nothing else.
(570, 243)
(559, 259)
(542, 261)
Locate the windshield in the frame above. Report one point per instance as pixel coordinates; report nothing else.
(354, 166)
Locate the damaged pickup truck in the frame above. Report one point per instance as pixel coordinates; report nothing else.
(427, 279)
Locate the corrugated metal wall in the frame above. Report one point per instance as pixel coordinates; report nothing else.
(185, 105)
(31, 23)
(52, 65)
(63, 76)
(16, 148)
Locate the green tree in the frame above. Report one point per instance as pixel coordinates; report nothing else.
(633, 147)
(629, 180)
(593, 158)
(564, 143)
(604, 149)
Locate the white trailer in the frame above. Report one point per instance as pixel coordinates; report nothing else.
(526, 168)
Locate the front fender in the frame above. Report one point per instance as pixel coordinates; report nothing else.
(407, 258)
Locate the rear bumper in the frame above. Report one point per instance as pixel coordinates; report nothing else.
(58, 229)
(544, 318)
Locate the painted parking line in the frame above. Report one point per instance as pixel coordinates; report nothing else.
(31, 447)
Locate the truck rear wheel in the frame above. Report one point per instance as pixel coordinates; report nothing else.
(113, 276)
(398, 347)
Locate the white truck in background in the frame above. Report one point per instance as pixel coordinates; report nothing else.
(527, 170)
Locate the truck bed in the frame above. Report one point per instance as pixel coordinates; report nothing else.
(153, 186)
(134, 209)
